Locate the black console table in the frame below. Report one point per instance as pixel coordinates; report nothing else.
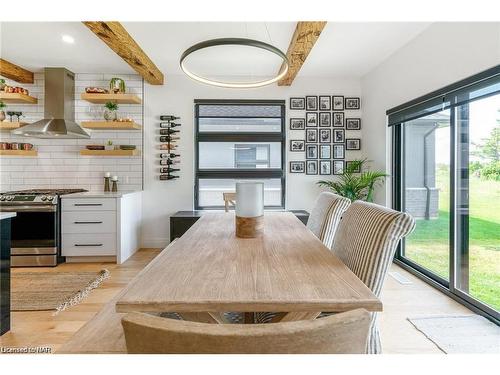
(5, 224)
(181, 221)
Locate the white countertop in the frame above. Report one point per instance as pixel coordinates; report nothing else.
(7, 215)
(97, 194)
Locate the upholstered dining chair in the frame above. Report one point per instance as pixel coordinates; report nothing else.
(342, 333)
(366, 240)
(325, 216)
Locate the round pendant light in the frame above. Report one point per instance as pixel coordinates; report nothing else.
(235, 42)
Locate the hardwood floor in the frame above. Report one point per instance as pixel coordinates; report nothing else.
(40, 328)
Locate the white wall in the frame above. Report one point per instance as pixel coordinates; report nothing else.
(163, 198)
(442, 54)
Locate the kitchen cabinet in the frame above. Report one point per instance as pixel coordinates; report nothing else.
(5, 225)
(100, 226)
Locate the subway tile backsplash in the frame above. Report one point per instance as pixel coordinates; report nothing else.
(59, 163)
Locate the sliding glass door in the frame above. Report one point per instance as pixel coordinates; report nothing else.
(446, 161)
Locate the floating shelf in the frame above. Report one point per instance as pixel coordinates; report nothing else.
(115, 98)
(8, 125)
(111, 125)
(12, 97)
(18, 153)
(109, 152)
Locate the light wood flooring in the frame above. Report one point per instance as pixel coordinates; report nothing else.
(40, 328)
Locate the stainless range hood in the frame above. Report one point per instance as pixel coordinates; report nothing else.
(59, 113)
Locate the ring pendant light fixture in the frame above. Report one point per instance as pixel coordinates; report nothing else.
(237, 42)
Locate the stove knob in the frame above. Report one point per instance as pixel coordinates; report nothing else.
(43, 198)
(50, 198)
(9, 197)
(2, 198)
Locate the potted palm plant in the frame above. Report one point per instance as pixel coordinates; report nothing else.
(356, 183)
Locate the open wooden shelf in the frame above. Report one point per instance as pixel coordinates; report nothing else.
(111, 125)
(8, 125)
(11, 97)
(109, 152)
(18, 153)
(115, 98)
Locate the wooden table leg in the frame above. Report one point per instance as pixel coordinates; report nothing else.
(249, 318)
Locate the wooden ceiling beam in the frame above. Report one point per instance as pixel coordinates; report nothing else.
(305, 36)
(119, 40)
(15, 72)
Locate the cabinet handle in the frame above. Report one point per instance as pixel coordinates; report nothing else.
(87, 222)
(88, 244)
(88, 204)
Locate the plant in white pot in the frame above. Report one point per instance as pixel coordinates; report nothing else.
(110, 111)
(2, 113)
(109, 145)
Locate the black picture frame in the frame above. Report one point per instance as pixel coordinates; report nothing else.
(325, 103)
(311, 167)
(302, 165)
(311, 119)
(311, 103)
(298, 142)
(325, 136)
(353, 144)
(298, 103)
(325, 119)
(325, 151)
(338, 167)
(300, 121)
(357, 170)
(353, 123)
(336, 147)
(311, 135)
(338, 119)
(352, 103)
(337, 102)
(325, 167)
(338, 136)
(311, 151)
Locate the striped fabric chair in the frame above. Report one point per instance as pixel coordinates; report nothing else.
(366, 241)
(325, 216)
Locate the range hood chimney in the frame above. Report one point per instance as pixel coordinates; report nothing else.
(59, 112)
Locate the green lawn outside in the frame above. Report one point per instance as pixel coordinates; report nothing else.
(428, 244)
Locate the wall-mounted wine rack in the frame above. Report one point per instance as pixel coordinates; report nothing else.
(168, 138)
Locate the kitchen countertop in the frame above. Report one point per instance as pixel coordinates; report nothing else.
(7, 215)
(97, 194)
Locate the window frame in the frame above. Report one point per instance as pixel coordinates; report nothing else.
(248, 137)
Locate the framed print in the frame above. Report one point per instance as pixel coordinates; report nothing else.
(325, 119)
(338, 167)
(298, 103)
(297, 167)
(311, 135)
(297, 123)
(353, 124)
(311, 103)
(352, 103)
(349, 164)
(311, 167)
(325, 151)
(338, 136)
(311, 151)
(311, 119)
(353, 144)
(297, 145)
(325, 167)
(338, 119)
(325, 136)
(338, 151)
(338, 102)
(325, 103)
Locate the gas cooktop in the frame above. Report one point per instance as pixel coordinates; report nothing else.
(34, 196)
(44, 192)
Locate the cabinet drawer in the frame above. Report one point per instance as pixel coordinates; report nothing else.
(88, 222)
(74, 244)
(89, 204)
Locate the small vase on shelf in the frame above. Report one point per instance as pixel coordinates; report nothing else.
(114, 180)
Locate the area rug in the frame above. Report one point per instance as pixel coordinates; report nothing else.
(460, 333)
(37, 291)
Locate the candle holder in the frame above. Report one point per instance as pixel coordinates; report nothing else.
(106, 184)
(249, 209)
(114, 180)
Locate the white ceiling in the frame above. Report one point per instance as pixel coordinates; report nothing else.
(343, 49)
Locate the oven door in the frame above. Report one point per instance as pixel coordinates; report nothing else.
(34, 240)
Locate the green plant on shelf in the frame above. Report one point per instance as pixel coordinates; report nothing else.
(110, 111)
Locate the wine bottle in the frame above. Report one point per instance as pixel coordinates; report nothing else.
(169, 170)
(168, 118)
(168, 131)
(169, 162)
(168, 138)
(164, 156)
(167, 146)
(169, 125)
(167, 177)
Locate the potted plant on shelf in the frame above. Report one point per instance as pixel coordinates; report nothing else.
(117, 86)
(109, 145)
(356, 183)
(2, 84)
(110, 111)
(2, 113)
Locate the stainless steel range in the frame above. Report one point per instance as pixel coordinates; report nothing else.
(36, 234)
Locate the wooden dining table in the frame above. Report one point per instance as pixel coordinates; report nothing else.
(209, 270)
